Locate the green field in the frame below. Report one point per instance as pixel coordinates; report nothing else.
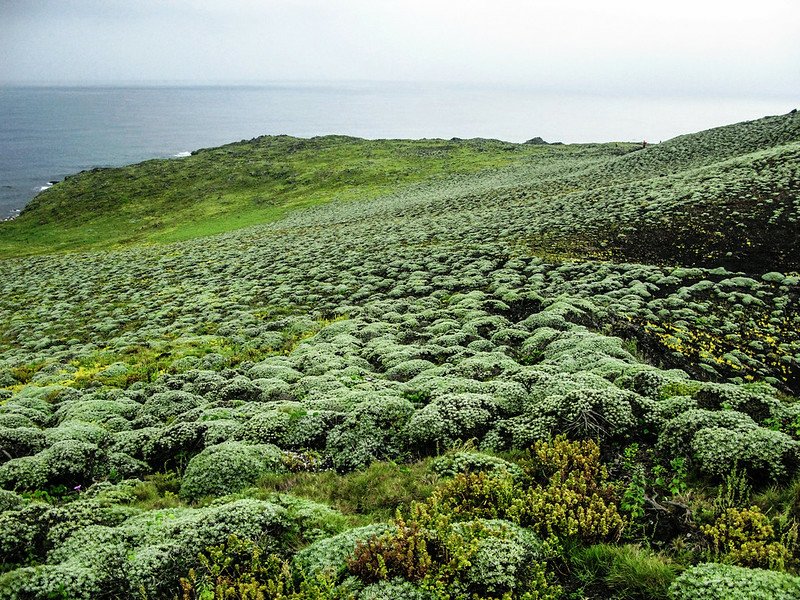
(445, 370)
(246, 183)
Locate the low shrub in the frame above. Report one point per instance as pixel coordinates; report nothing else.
(228, 467)
(374, 430)
(468, 559)
(453, 463)
(328, 556)
(574, 499)
(450, 418)
(762, 453)
(711, 581)
(746, 537)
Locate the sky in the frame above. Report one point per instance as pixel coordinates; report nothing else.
(692, 47)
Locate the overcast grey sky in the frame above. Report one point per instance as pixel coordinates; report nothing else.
(735, 47)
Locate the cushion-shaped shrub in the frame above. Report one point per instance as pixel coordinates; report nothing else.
(486, 326)
(274, 389)
(759, 451)
(395, 589)
(135, 441)
(174, 443)
(657, 383)
(159, 545)
(609, 413)
(408, 369)
(202, 382)
(20, 441)
(95, 519)
(374, 430)
(436, 382)
(220, 430)
(239, 388)
(121, 465)
(674, 406)
(291, 428)
(509, 396)
(504, 558)
(66, 580)
(712, 581)
(519, 432)
(484, 370)
(10, 501)
(166, 405)
(758, 404)
(318, 384)
(510, 336)
(227, 468)
(546, 319)
(23, 531)
(68, 462)
(555, 383)
(35, 409)
(329, 555)
(12, 420)
(80, 431)
(97, 410)
(676, 437)
(448, 419)
(314, 521)
(73, 461)
(533, 347)
(450, 464)
(580, 350)
(485, 365)
(24, 473)
(267, 427)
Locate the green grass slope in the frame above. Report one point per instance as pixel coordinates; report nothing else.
(464, 370)
(236, 185)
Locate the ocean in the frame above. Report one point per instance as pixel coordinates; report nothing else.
(47, 133)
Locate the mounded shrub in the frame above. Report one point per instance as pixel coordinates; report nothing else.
(609, 413)
(227, 468)
(712, 581)
(171, 404)
(68, 462)
(408, 369)
(451, 464)
(20, 441)
(374, 430)
(746, 537)
(395, 589)
(676, 437)
(760, 452)
(329, 555)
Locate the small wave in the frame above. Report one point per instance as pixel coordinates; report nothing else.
(182, 154)
(47, 186)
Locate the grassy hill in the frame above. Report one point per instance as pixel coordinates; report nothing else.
(245, 183)
(573, 370)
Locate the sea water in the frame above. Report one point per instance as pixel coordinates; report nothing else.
(47, 133)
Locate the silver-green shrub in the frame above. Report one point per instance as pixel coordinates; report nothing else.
(228, 467)
(711, 581)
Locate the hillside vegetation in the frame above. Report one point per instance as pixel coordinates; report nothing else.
(221, 189)
(427, 369)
